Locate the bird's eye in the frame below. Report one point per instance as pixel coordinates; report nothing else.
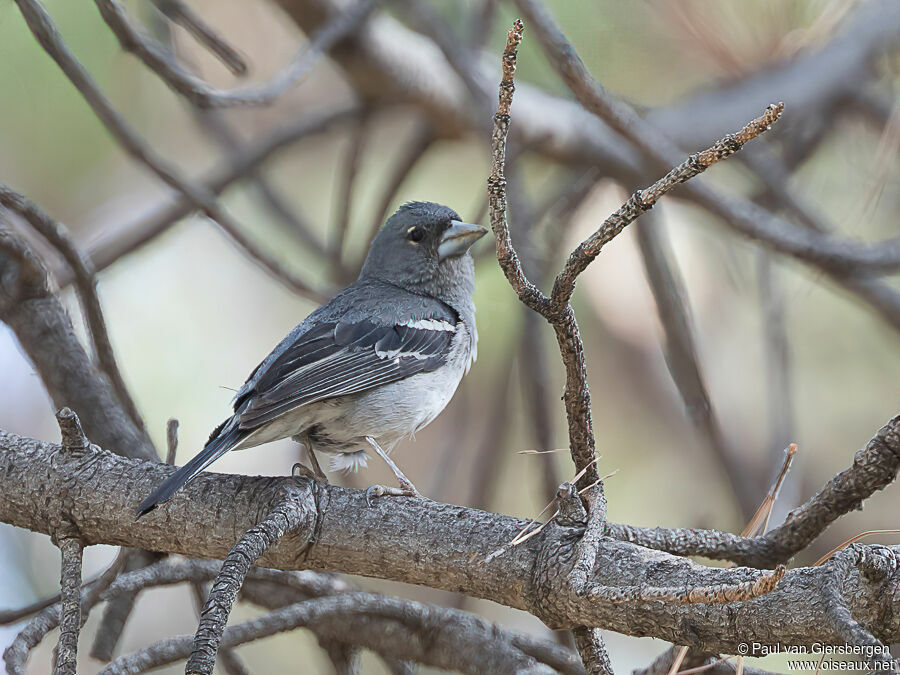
(416, 234)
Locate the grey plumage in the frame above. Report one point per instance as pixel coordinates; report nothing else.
(381, 359)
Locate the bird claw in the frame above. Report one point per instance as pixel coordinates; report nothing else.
(300, 470)
(373, 491)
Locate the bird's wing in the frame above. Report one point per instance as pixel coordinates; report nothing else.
(343, 357)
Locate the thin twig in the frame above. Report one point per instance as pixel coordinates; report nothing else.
(682, 357)
(181, 13)
(344, 205)
(47, 34)
(454, 641)
(577, 396)
(642, 200)
(874, 468)
(158, 59)
(126, 238)
(414, 150)
(506, 254)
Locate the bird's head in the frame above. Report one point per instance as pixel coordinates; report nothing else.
(424, 247)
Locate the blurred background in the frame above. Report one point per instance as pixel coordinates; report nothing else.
(785, 353)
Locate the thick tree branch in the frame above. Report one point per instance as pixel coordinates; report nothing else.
(86, 283)
(290, 514)
(424, 542)
(46, 334)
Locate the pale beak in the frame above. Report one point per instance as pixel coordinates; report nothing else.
(457, 239)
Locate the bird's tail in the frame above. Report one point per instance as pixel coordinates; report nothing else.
(223, 438)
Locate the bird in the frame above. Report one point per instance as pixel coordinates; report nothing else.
(373, 365)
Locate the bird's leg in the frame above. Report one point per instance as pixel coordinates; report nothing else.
(299, 469)
(406, 489)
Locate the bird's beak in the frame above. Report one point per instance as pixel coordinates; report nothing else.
(457, 239)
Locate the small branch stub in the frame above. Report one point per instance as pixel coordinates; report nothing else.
(73, 436)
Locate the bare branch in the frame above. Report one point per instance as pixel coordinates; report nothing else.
(506, 254)
(412, 635)
(445, 638)
(181, 13)
(642, 200)
(669, 294)
(290, 515)
(86, 283)
(750, 220)
(48, 619)
(588, 640)
(47, 34)
(836, 608)
(592, 648)
(228, 660)
(45, 332)
(70, 549)
(874, 468)
(388, 541)
(556, 308)
(127, 238)
(416, 146)
(161, 61)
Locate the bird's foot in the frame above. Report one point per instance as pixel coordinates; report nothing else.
(406, 489)
(316, 472)
(374, 491)
(300, 470)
